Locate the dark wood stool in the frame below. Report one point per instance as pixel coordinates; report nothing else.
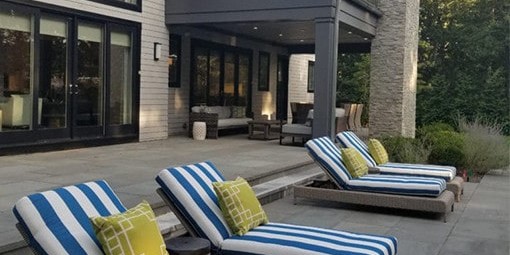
(188, 246)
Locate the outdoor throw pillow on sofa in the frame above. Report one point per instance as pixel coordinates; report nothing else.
(133, 232)
(239, 205)
(354, 162)
(377, 151)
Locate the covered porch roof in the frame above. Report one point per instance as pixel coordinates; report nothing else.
(320, 27)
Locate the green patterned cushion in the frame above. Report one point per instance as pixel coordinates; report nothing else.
(238, 111)
(134, 231)
(354, 162)
(377, 151)
(240, 206)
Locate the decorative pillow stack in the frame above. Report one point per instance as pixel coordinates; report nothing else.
(239, 205)
(354, 162)
(377, 151)
(135, 231)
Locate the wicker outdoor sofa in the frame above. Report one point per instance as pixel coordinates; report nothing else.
(391, 191)
(217, 118)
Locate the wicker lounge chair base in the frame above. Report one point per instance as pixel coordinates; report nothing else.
(326, 190)
(456, 186)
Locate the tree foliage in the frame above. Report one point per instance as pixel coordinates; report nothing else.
(464, 61)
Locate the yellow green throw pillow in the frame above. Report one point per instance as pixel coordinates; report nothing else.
(354, 162)
(134, 231)
(377, 151)
(239, 205)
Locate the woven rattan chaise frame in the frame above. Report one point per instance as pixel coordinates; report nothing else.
(443, 204)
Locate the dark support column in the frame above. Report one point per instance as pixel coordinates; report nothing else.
(326, 55)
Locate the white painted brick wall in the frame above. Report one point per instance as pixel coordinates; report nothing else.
(154, 74)
(298, 79)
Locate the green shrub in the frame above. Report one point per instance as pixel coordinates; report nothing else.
(405, 150)
(427, 130)
(446, 148)
(484, 146)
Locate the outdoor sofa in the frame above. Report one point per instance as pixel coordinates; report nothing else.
(57, 221)
(349, 139)
(392, 191)
(218, 118)
(189, 193)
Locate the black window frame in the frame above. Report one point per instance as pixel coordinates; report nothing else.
(175, 48)
(261, 86)
(310, 88)
(222, 49)
(121, 4)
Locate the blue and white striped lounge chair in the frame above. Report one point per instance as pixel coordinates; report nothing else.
(395, 191)
(349, 139)
(57, 221)
(189, 192)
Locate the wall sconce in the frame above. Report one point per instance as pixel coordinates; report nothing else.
(157, 51)
(172, 59)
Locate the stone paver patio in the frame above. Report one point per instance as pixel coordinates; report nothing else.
(479, 225)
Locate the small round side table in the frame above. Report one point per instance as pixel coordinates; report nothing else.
(188, 246)
(199, 130)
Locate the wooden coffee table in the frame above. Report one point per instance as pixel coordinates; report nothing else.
(264, 129)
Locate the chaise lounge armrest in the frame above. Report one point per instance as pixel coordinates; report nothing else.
(211, 122)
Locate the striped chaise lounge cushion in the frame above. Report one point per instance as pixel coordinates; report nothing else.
(349, 139)
(328, 155)
(190, 189)
(57, 221)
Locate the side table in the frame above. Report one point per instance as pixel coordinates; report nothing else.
(270, 129)
(199, 130)
(188, 246)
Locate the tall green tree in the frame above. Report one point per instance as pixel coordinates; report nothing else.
(464, 61)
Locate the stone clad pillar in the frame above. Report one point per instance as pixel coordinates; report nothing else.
(394, 68)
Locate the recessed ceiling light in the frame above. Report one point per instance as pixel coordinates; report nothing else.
(301, 40)
(280, 35)
(255, 28)
(365, 38)
(343, 54)
(301, 30)
(349, 32)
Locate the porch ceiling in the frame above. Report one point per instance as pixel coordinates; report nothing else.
(288, 32)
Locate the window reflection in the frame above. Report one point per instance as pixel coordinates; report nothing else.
(120, 78)
(16, 51)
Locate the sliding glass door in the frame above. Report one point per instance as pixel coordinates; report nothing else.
(66, 77)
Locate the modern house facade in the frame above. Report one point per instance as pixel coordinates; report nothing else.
(82, 71)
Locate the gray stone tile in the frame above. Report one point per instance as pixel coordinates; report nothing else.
(458, 245)
(415, 247)
(428, 231)
(362, 228)
(374, 219)
(487, 229)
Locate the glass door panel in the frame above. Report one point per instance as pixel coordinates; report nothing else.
(244, 80)
(53, 62)
(214, 78)
(16, 71)
(229, 78)
(200, 60)
(121, 75)
(88, 87)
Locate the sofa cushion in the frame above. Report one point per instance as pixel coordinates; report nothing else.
(297, 129)
(230, 122)
(238, 112)
(222, 111)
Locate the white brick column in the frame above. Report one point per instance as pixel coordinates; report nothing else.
(394, 68)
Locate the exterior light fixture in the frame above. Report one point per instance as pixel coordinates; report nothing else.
(157, 51)
(172, 59)
(255, 28)
(280, 35)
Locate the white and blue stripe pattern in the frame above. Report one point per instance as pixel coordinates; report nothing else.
(57, 221)
(328, 155)
(349, 140)
(190, 188)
